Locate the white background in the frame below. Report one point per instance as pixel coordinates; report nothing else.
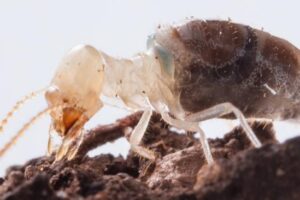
(34, 35)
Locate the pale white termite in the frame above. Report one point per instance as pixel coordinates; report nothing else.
(193, 71)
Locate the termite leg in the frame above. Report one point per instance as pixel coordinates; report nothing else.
(50, 146)
(223, 109)
(191, 126)
(137, 135)
(186, 125)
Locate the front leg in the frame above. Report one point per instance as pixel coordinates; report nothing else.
(137, 136)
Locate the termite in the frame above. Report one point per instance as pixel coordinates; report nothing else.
(191, 72)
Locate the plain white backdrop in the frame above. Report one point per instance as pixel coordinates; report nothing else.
(34, 35)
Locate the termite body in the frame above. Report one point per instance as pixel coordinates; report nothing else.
(225, 62)
(192, 71)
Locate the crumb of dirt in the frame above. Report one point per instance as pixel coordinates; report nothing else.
(180, 172)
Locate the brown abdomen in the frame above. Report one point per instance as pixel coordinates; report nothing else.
(220, 61)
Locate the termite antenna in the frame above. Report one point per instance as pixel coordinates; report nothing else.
(9, 144)
(17, 106)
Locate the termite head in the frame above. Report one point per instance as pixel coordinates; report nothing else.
(77, 85)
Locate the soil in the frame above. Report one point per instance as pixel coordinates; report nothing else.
(180, 171)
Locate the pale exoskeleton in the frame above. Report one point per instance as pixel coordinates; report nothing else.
(193, 71)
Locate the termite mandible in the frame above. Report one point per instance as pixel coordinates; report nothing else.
(192, 71)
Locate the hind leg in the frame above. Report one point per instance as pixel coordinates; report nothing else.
(223, 109)
(191, 123)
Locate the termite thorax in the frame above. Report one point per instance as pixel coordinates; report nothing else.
(132, 79)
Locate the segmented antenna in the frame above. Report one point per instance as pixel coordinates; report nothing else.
(17, 106)
(25, 127)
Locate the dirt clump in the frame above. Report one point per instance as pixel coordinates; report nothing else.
(180, 171)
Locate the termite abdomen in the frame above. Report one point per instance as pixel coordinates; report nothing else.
(221, 61)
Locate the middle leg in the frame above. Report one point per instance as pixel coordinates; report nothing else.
(186, 125)
(194, 127)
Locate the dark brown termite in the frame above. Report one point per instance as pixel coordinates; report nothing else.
(193, 71)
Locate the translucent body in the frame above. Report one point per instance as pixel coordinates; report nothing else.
(221, 61)
(193, 71)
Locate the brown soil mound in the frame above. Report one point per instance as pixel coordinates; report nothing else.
(180, 172)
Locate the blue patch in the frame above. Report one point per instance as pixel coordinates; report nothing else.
(165, 59)
(164, 56)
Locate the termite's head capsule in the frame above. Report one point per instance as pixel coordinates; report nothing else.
(76, 85)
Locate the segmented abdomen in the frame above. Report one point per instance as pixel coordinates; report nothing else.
(221, 61)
